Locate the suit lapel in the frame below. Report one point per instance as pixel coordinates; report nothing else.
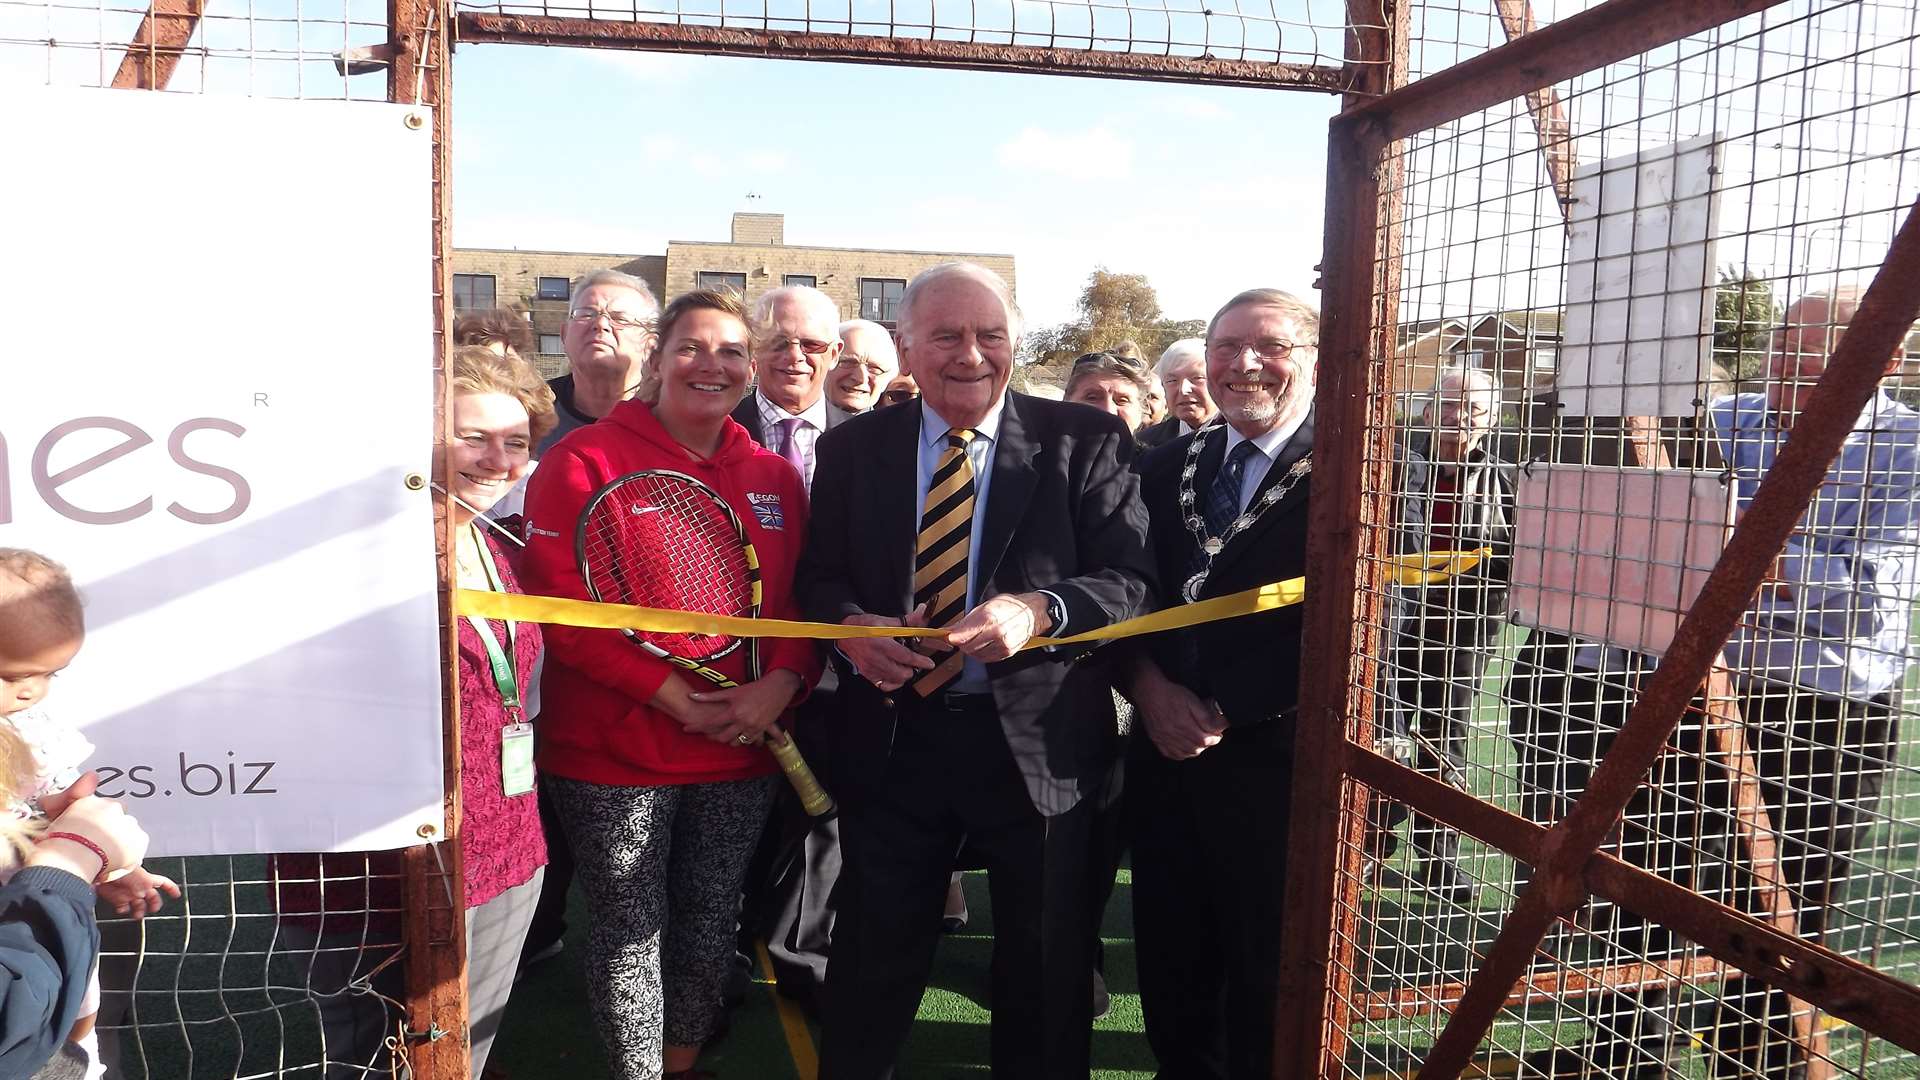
(1294, 502)
(895, 470)
(1007, 496)
(747, 415)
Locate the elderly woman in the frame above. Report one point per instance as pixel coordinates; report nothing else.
(1111, 383)
(663, 789)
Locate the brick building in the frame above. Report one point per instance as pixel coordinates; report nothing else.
(865, 282)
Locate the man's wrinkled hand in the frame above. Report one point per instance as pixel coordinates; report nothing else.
(1000, 626)
(885, 662)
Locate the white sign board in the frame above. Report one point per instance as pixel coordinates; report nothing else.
(1638, 337)
(218, 380)
(1614, 555)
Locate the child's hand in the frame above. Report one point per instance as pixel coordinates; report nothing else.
(137, 892)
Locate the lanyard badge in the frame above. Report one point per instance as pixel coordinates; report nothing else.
(516, 738)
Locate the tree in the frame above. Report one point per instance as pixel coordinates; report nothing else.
(1744, 315)
(1114, 307)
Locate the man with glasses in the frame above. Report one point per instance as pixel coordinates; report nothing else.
(1465, 495)
(868, 362)
(1182, 375)
(1208, 789)
(608, 336)
(796, 342)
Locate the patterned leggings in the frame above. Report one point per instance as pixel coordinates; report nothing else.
(662, 868)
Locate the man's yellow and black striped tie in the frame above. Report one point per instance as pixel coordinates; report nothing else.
(940, 559)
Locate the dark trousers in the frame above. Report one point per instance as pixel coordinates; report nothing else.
(1438, 668)
(550, 914)
(791, 884)
(1209, 840)
(949, 776)
(1821, 763)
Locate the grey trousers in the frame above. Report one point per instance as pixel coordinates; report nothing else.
(495, 932)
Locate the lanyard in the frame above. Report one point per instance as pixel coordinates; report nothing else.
(505, 678)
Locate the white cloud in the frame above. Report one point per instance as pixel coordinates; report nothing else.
(1068, 153)
(671, 153)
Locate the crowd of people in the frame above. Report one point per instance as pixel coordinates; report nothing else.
(892, 479)
(920, 491)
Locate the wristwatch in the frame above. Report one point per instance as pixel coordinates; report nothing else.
(1056, 612)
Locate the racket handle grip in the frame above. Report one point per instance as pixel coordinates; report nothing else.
(813, 798)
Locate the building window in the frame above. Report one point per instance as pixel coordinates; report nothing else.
(552, 288)
(880, 298)
(472, 292)
(713, 279)
(808, 280)
(550, 345)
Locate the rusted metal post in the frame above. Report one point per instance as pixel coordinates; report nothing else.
(154, 50)
(1347, 575)
(1853, 374)
(1593, 38)
(438, 1046)
(487, 26)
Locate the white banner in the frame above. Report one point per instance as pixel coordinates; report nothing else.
(216, 384)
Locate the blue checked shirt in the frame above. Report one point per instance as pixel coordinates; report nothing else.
(1852, 567)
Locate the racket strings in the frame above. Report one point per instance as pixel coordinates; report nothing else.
(661, 543)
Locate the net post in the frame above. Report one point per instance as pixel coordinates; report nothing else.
(437, 1043)
(1343, 612)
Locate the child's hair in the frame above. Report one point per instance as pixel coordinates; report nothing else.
(17, 773)
(34, 587)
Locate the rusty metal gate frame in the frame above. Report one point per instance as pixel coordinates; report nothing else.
(1360, 277)
(1345, 620)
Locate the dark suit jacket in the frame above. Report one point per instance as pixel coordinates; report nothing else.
(1250, 666)
(747, 415)
(1159, 434)
(1063, 513)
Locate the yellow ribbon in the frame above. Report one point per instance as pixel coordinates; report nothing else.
(1408, 570)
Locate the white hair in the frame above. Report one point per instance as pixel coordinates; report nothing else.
(1302, 314)
(934, 274)
(1472, 380)
(612, 277)
(760, 320)
(1189, 348)
(887, 348)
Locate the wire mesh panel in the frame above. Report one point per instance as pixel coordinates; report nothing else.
(1613, 299)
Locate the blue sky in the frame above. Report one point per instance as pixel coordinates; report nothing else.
(1206, 191)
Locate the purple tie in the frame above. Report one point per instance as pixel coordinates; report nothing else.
(790, 445)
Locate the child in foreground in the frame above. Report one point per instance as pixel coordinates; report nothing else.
(41, 629)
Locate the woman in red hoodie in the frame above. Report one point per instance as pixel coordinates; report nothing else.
(662, 787)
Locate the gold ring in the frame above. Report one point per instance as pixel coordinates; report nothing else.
(746, 738)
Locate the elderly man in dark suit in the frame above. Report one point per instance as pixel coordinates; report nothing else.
(1207, 789)
(796, 342)
(999, 517)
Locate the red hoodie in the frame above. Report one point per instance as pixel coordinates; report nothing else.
(594, 722)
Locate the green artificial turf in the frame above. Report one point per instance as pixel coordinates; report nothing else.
(547, 1032)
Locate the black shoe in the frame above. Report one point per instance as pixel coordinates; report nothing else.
(1102, 1001)
(531, 958)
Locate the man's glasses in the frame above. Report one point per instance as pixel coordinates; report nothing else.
(1265, 349)
(807, 345)
(853, 360)
(620, 319)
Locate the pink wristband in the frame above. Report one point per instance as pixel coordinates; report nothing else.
(85, 843)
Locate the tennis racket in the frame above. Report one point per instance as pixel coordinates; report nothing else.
(662, 539)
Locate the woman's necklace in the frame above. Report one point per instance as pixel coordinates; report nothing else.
(1197, 525)
(468, 558)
